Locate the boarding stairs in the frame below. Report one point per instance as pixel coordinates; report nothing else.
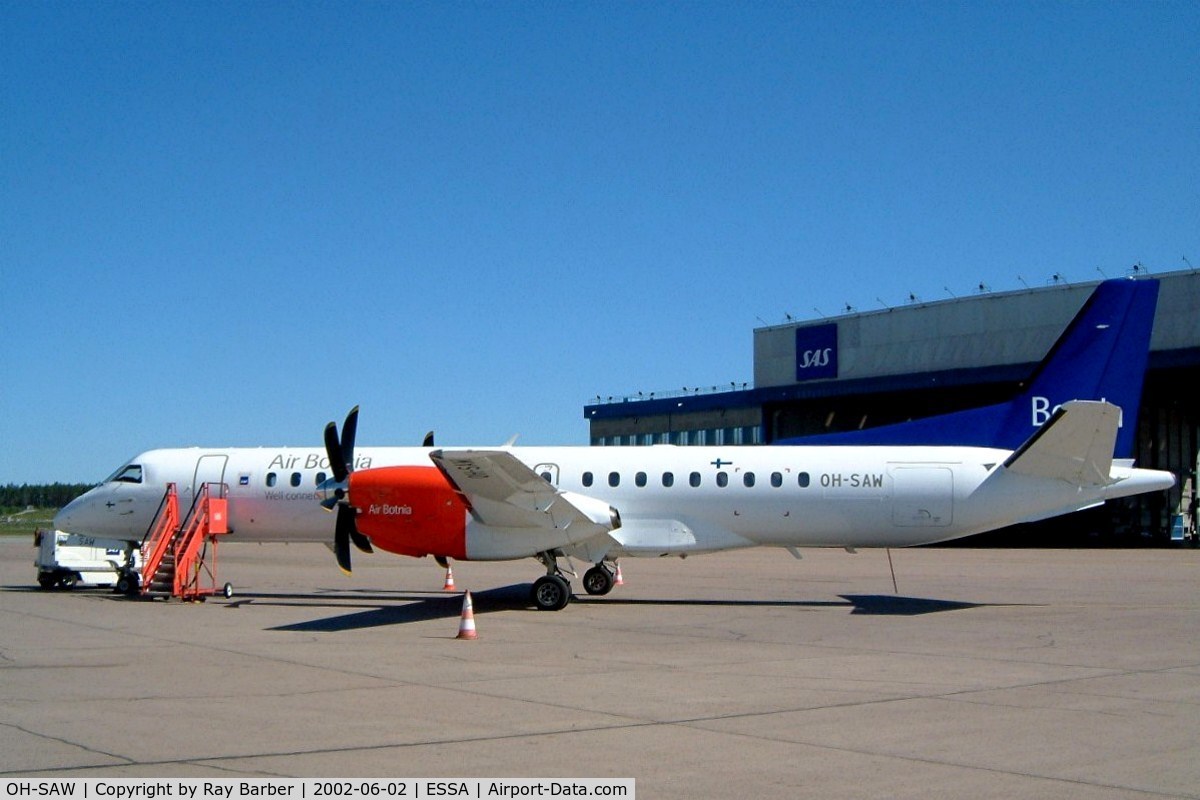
(181, 555)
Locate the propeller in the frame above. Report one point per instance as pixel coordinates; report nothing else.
(336, 489)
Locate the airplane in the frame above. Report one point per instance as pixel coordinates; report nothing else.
(903, 485)
(600, 504)
(1101, 355)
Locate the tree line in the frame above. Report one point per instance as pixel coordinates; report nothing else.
(41, 495)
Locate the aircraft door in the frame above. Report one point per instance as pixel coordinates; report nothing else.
(209, 469)
(922, 496)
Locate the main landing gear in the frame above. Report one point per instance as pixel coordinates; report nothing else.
(598, 580)
(552, 591)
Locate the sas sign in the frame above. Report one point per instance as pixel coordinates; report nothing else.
(816, 352)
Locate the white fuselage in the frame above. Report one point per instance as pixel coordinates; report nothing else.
(671, 500)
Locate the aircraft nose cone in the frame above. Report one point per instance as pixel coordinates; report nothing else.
(62, 520)
(74, 514)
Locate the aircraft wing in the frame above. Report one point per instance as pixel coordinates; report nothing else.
(501, 491)
(1075, 445)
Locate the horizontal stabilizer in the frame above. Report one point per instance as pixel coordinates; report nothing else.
(1075, 445)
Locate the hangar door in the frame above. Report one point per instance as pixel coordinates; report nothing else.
(922, 495)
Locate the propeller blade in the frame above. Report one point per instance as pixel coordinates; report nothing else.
(341, 462)
(349, 431)
(333, 448)
(341, 537)
(361, 541)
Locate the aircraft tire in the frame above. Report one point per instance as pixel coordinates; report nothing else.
(228, 591)
(598, 580)
(551, 593)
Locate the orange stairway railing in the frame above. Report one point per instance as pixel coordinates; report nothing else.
(181, 558)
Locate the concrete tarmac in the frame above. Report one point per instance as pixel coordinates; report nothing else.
(990, 674)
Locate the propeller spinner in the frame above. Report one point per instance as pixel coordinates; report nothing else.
(336, 490)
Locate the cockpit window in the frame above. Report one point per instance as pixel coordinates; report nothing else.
(130, 473)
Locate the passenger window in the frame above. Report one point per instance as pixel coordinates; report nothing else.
(668, 479)
(296, 478)
(803, 480)
(748, 479)
(694, 479)
(722, 479)
(320, 478)
(546, 476)
(587, 479)
(614, 479)
(777, 479)
(640, 479)
(270, 479)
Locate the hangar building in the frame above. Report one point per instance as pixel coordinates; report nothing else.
(926, 358)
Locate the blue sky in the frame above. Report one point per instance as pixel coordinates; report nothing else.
(226, 223)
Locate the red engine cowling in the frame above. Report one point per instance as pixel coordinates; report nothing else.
(412, 511)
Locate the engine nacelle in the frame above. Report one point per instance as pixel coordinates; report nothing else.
(412, 511)
(597, 511)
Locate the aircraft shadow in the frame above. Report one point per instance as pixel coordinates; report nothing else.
(421, 606)
(378, 608)
(883, 604)
(428, 606)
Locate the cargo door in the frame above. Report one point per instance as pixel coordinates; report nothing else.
(922, 496)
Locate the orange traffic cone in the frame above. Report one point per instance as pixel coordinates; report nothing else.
(449, 587)
(617, 579)
(466, 628)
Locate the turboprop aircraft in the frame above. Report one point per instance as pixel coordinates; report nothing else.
(602, 503)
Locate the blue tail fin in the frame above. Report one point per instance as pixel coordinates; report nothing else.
(1100, 356)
